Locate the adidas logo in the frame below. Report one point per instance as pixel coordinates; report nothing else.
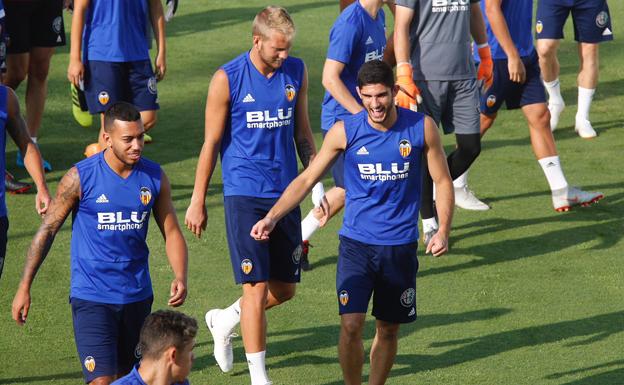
(412, 312)
(607, 32)
(102, 199)
(249, 99)
(550, 164)
(362, 151)
(369, 40)
(58, 39)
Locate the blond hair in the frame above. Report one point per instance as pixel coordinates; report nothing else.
(273, 18)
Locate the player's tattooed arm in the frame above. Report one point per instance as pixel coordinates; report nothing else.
(304, 140)
(67, 196)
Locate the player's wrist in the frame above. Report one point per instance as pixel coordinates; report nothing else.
(484, 51)
(405, 71)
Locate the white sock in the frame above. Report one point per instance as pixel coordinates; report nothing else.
(231, 314)
(309, 225)
(461, 181)
(34, 139)
(585, 96)
(429, 224)
(554, 173)
(257, 368)
(554, 92)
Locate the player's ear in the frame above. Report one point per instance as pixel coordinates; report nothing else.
(256, 41)
(395, 90)
(357, 88)
(107, 139)
(171, 354)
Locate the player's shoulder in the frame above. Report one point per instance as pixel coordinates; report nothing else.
(89, 163)
(351, 16)
(235, 64)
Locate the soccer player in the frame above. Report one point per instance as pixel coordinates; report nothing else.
(517, 83)
(357, 36)
(256, 116)
(383, 147)
(110, 55)
(110, 197)
(433, 51)
(166, 345)
(11, 121)
(592, 25)
(35, 29)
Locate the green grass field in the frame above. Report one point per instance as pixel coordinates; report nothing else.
(525, 295)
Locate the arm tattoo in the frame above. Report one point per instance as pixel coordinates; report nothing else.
(305, 151)
(68, 194)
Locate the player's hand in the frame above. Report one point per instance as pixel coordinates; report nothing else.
(21, 305)
(438, 244)
(261, 230)
(170, 10)
(75, 72)
(196, 218)
(178, 293)
(160, 66)
(486, 67)
(408, 95)
(42, 201)
(517, 72)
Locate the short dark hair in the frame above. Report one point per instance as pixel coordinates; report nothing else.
(375, 72)
(120, 111)
(163, 329)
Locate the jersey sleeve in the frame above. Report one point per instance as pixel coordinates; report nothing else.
(342, 40)
(406, 3)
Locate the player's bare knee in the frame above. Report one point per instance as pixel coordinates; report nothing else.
(38, 74)
(351, 327)
(387, 331)
(15, 77)
(149, 119)
(546, 50)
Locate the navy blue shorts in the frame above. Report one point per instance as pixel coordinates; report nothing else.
(591, 18)
(337, 169)
(110, 82)
(31, 24)
(388, 273)
(252, 261)
(515, 95)
(107, 335)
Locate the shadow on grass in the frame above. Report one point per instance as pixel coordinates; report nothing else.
(304, 340)
(220, 18)
(612, 377)
(506, 250)
(472, 349)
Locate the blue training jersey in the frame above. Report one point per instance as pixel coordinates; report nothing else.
(109, 253)
(114, 31)
(382, 172)
(134, 378)
(354, 39)
(519, 16)
(258, 154)
(3, 120)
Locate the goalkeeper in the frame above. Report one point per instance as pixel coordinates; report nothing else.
(432, 49)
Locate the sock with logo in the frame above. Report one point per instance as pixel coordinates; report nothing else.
(553, 172)
(309, 225)
(585, 96)
(34, 139)
(554, 92)
(257, 368)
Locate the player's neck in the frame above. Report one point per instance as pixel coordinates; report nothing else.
(155, 373)
(371, 7)
(118, 167)
(261, 66)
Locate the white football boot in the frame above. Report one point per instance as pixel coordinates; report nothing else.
(584, 129)
(573, 196)
(222, 338)
(466, 199)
